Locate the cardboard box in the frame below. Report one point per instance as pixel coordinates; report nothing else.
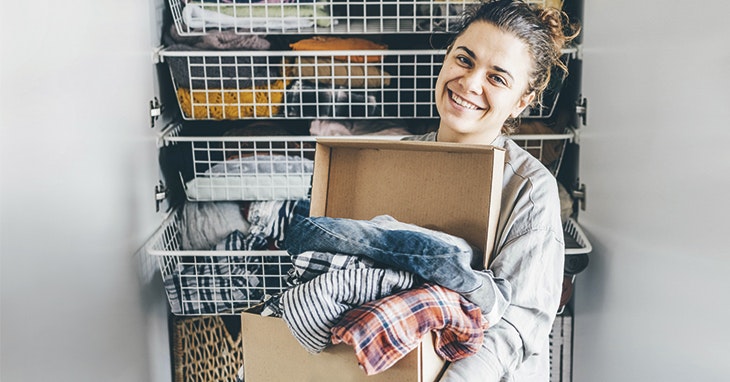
(452, 188)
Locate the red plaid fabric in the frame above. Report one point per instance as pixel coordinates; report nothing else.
(384, 331)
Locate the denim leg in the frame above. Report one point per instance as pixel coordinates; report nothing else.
(434, 256)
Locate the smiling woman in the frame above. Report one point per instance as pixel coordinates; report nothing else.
(483, 82)
(497, 65)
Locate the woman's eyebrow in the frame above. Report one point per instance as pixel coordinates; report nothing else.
(495, 67)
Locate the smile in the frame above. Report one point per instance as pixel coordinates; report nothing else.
(463, 103)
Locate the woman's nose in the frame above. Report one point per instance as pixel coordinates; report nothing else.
(472, 82)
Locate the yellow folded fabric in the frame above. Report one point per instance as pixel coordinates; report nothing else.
(220, 104)
(349, 75)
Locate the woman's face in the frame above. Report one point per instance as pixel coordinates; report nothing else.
(482, 82)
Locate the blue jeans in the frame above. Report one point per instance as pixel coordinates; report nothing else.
(432, 255)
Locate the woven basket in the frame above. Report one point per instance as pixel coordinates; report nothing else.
(205, 350)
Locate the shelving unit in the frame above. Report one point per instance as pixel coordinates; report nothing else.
(213, 87)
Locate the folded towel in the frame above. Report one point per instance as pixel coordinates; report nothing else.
(341, 73)
(330, 127)
(220, 104)
(339, 43)
(215, 72)
(275, 16)
(226, 39)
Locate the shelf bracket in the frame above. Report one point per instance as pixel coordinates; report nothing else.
(155, 111)
(579, 195)
(581, 109)
(160, 195)
(156, 57)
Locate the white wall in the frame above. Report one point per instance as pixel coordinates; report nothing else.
(77, 171)
(78, 164)
(653, 304)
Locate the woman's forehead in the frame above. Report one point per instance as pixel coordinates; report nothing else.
(489, 42)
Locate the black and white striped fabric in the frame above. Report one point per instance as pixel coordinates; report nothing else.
(311, 309)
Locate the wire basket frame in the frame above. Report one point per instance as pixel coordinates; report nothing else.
(248, 168)
(548, 148)
(215, 85)
(240, 168)
(228, 85)
(222, 282)
(322, 17)
(209, 282)
(579, 244)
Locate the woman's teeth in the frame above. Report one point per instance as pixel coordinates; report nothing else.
(464, 103)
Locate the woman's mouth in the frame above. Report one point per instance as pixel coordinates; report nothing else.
(462, 102)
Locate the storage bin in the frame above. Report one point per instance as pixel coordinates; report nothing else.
(281, 167)
(245, 167)
(322, 17)
(230, 85)
(548, 148)
(205, 282)
(206, 348)
(219, 85)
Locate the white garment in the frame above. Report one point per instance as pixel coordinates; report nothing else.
(196, 17)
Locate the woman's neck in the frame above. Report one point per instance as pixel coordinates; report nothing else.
(483, 138)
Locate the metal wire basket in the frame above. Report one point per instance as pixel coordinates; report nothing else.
(322, 17)
(233, 85)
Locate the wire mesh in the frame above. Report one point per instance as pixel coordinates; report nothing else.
(214, 282)
(548, 148)
(322, 17)
(295, 84)
(248, 168)
(202, 282)
(218, 85)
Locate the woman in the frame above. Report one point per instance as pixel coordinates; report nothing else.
(498, 64)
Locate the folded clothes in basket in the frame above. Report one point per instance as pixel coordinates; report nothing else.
(218, 104)
(228, 282)
(257, 16)
(341, 73)
(260, 177)
(339, 43)
(224, 39)
(196, 71)
(214, 284)
(307, 100)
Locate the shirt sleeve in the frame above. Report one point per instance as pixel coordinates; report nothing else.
(533, 264)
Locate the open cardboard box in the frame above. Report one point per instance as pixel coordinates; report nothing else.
(452, 188)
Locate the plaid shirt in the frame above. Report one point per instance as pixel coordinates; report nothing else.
(384, 331)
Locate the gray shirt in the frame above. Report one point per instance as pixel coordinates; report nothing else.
(529, 254)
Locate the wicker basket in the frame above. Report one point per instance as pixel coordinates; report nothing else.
(205, 349)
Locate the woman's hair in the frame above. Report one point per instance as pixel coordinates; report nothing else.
(545, 31)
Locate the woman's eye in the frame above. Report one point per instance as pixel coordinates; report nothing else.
(464, 60)
(499, 80)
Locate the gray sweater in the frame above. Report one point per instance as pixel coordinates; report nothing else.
(529, 254)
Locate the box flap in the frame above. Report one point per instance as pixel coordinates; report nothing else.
(453, 188)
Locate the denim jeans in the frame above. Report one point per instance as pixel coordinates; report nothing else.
(434, 256)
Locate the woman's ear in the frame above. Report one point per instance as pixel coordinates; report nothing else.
(524, 102)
